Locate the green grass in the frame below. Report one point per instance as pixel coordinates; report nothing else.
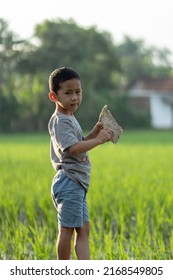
(130, 198)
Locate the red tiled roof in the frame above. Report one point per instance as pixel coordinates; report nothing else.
(164, 85)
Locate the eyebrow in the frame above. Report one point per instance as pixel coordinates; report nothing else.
(72, 89)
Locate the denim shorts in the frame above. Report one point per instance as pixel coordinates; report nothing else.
(70, 202)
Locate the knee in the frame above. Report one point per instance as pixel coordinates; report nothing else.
(84, 231)
(65, 232)
(87, 228)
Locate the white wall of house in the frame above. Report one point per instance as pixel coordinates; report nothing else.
(160, 110)
(161, 113)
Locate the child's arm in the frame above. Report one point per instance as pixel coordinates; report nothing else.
(94, 132)
(104, 135)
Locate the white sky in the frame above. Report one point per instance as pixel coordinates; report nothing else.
(151, 20)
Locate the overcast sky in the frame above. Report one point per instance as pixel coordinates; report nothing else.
(150, 20)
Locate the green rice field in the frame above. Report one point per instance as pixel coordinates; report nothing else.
(130, 198)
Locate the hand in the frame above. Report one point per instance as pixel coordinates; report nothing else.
(97, 128)
(104, 135)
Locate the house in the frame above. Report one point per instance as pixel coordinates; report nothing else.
(157, 97)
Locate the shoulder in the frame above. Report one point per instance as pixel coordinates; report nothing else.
(62, 122)
(56, 118)
(51, 121)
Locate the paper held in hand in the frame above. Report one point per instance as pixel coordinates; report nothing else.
(109, 122)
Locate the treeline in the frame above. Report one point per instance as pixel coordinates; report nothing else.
(107, 71)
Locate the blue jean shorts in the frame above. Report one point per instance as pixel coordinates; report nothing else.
(70, 202)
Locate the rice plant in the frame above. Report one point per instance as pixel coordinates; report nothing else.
(130, 198)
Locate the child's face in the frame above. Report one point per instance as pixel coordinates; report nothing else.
(69, 96)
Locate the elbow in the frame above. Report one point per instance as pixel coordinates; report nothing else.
(72, 150)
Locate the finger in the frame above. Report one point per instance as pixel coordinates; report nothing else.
(109, 132)
(99, 125)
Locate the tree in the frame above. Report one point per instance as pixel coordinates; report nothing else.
(106, 70)
(7, 61)
(140, 62)
(91, 53)
(11, 52)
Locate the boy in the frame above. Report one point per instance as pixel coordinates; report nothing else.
(69, 158)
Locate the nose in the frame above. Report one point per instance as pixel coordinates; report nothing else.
(74, 97)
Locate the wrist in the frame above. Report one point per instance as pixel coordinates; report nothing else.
(99, 141)
(92, 134)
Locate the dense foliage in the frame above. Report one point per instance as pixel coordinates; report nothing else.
(107, 70)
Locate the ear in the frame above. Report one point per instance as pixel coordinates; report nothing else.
(52, 96)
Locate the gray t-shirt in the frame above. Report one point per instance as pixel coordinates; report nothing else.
(65, 131)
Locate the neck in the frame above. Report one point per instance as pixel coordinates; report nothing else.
(63, 111)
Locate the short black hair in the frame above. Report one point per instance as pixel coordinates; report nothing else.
(61, 75)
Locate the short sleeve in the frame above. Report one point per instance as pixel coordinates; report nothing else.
(65, 134)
